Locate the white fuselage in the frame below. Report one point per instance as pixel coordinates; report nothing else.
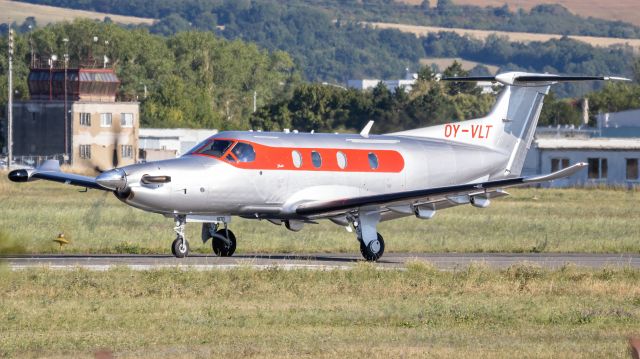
(272, 186)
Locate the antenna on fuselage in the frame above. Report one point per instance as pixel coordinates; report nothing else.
(365, 131)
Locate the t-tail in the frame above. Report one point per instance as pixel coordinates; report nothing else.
(511, 124)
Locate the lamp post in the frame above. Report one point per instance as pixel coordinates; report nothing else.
(66, 112)
(10, 103)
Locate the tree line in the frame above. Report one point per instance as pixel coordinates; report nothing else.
(192, 79)
(327, 43)
(197, 79)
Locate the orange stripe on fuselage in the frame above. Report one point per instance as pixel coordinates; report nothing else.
(280, 158)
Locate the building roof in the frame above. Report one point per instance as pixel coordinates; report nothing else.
(81, 84)
(588, 143)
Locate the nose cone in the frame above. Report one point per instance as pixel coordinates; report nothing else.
(115, 179)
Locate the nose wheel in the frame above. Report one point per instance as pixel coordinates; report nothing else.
(180, 246)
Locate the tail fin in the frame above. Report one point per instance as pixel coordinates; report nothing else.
(511, 124)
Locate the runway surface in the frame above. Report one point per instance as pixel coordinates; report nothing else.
(446, 261)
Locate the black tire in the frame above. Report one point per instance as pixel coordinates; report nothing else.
(177, 251)
(223, 243)
(369, 253)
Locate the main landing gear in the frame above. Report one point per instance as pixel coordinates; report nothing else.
(223, 241)
(371, 242)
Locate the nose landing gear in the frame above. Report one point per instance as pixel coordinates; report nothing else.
(180, 246)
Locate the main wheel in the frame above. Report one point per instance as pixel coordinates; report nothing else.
(224, 243)
(374, 250)
(180, 248)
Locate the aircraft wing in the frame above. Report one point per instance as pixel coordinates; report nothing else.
(50, 170)
(436, 196)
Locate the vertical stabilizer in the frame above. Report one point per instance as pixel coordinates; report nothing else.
(510, 126)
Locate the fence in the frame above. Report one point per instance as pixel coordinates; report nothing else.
(34, 160)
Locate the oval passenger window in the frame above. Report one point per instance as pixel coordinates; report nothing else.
(316, 159)
(373, 161)
(342, 160)
(297, 158)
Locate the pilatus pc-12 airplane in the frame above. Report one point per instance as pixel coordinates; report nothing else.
(353, 180)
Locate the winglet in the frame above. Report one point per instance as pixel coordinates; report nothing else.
(365, 131)
(558, 174)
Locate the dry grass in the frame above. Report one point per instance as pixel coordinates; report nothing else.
(624, 10)
(476, 312)
(524, 37)
(531, 220)
(11, 11)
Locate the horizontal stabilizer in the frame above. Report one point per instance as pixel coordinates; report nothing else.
(523, 78)
(566, 172)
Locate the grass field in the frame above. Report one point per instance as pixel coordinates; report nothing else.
(624, 10)
(477, 312)
(523, 37)
(11, 11)
(531, 220)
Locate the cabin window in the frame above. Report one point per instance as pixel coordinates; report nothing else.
(373, 161)
(297, 158)
(558, 164)
(597, 168)
(215, 148)
(316, 159)
(244, 152)
(632, 169)
(342, 160)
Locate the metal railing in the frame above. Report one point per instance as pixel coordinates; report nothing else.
(32, 160)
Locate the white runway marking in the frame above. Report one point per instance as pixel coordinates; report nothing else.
(443, 261)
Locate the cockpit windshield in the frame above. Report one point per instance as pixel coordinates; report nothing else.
(215, 148)
(244, 152)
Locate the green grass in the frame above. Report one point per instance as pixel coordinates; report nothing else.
(365, 312)
(531, 220)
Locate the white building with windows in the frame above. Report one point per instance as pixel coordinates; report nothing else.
(163, 143)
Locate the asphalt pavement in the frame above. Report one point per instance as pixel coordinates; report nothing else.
(319, 261)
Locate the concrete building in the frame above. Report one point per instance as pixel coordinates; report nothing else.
(163, 143)
(98, 133)
(612, 161)
(612, 150)
(368, 84)
(406, 83)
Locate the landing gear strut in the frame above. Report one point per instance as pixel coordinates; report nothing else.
(371, 242)
(180, 246)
